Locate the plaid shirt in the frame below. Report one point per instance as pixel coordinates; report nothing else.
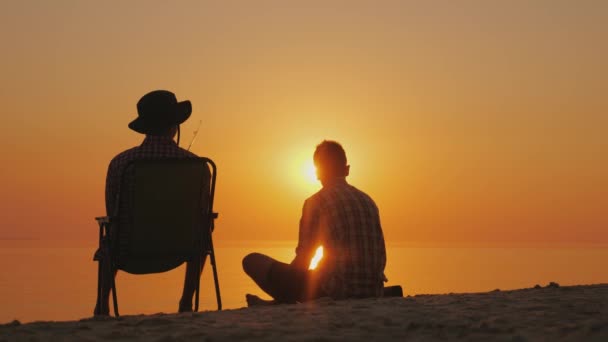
(345, 221)
(153, 147)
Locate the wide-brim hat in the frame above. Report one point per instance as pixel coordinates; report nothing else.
(158, 111)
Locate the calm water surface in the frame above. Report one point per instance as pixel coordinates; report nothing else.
(51, 283)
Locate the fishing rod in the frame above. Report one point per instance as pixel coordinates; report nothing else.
(195, 134)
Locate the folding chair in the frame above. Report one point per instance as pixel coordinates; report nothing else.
(164, 218)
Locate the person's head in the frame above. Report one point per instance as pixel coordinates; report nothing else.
(168, 132)
(160, 114)
(330, 161)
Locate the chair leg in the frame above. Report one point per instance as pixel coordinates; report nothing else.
(217, 284)
(112, 274)
(114, 296)
(198, 283)
(215, 278)
(100, 269)
(99, 282)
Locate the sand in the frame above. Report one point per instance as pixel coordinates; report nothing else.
(572, 313)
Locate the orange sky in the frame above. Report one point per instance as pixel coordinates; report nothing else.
(468, 122)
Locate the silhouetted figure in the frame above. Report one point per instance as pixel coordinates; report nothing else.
(342, 219)
(159, 117)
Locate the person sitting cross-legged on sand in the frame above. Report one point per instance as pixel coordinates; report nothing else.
(342, 219)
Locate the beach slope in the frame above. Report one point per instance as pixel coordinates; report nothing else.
(573, 313)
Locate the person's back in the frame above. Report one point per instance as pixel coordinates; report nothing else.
(353, 242)
(152, 148)
(345, 222)
(159, 117)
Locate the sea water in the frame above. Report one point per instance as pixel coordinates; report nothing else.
(50, 281)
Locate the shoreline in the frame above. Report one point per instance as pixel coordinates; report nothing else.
(540, 313)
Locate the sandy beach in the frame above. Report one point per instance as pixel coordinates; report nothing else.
(572, 313)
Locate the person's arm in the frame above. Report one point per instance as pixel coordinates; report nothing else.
(307, 236)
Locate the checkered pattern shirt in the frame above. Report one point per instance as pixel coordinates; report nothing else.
(345, 221)
(153, 147)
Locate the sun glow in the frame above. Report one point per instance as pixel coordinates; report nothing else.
(315, 260)
(298, 170)
(310, 173)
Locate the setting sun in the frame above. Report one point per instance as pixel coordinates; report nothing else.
(299, 171)
(310, 172)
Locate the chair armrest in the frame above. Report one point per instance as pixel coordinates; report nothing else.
(103, 219)
(213, 217)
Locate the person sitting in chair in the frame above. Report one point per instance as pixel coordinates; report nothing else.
(159, 117)
(342, 219)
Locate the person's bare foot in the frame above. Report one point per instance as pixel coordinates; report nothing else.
(253, 300)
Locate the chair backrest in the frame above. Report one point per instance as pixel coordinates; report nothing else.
(168, 217)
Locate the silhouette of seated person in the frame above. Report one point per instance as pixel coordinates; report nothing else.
(159, 117)
(342, 219)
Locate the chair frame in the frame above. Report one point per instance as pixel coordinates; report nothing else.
(105, 223)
